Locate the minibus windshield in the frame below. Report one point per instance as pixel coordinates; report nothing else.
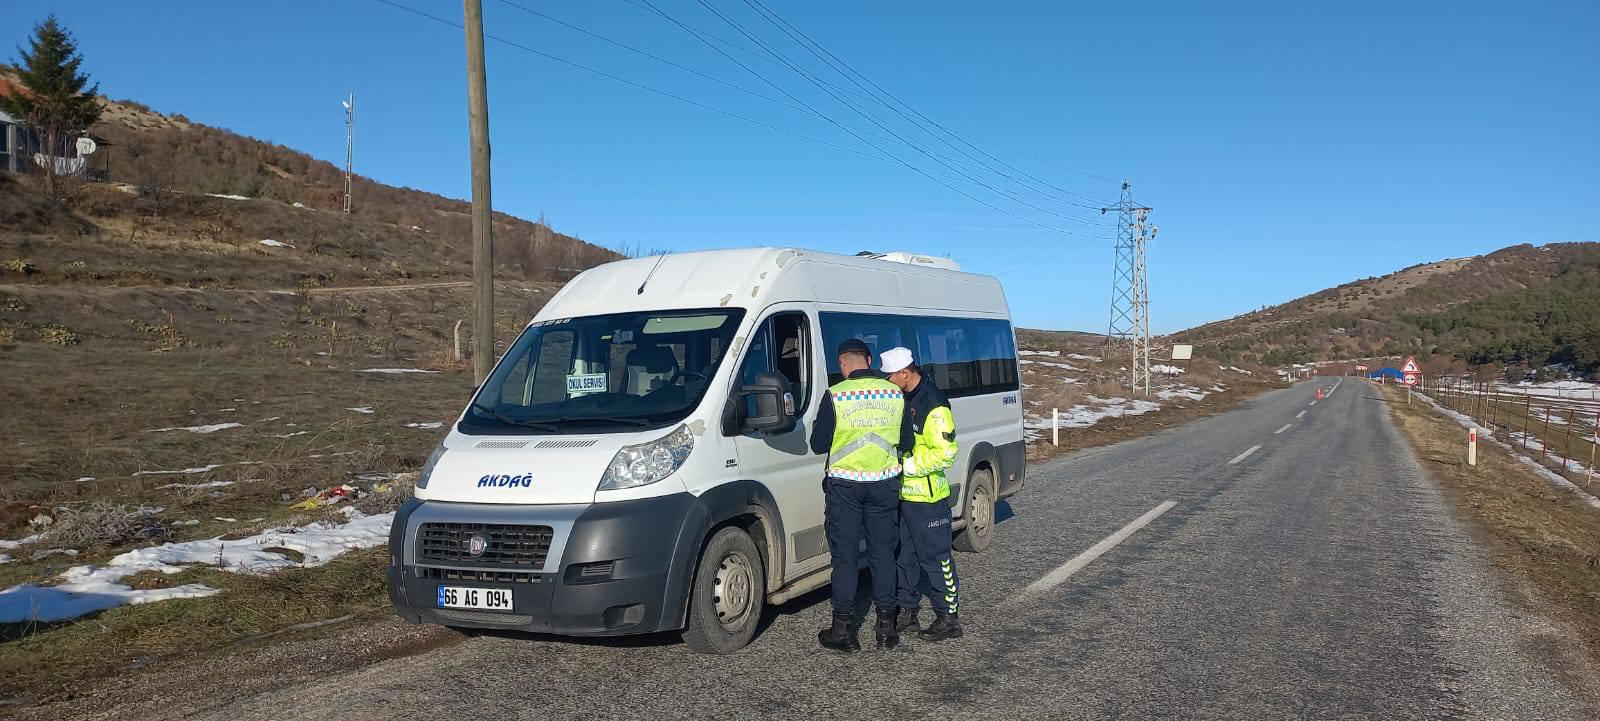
(603, 373)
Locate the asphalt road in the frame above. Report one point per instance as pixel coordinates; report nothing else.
(1320, 576)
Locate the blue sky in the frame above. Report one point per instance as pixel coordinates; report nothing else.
(1285, 147)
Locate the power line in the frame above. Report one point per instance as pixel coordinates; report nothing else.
(724, 83)
(713, 37)
(909, 113)
(638, 85)
(872, 119)
(883, 155)
(857, 135)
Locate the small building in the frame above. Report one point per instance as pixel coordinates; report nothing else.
(8, 142)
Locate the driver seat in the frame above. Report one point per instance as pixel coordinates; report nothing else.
(649, 368)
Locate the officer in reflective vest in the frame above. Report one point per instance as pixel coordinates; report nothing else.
(858, 426)
(928, 449)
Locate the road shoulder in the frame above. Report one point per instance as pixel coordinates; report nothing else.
(1540, 535)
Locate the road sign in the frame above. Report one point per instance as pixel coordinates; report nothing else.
(1360, 367)
(1410, 367)
(1409, 379)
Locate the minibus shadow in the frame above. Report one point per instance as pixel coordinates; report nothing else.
(796, 606)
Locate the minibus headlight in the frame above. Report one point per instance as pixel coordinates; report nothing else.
(427, 468)
(646, 463)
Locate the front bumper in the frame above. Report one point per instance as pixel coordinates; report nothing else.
(612, 568)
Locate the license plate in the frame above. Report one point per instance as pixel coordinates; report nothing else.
(483, 599)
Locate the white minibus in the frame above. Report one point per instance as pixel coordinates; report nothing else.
(637, 461)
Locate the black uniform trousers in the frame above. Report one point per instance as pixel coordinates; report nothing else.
(857, 510)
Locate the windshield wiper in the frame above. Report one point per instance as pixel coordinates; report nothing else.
(547, 426)
(603, 419)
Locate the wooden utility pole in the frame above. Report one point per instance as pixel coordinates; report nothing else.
(482, 230)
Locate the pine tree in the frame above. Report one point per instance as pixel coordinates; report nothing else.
(57, 99)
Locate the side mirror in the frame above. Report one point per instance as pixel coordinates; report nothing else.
(769, 404)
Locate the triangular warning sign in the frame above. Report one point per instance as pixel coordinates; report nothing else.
(1410, 366)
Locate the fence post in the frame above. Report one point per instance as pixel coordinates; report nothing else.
(1566, 445)
(1594, 443)
(1544, 438)
(1527, 416)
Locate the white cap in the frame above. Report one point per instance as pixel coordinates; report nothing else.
(894, 360)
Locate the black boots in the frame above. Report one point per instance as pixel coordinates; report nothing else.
(888, 631)
(841, 636)
(944, 626)
(908, 621)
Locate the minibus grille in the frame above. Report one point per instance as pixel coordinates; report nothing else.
(508, 546)
(482, 575)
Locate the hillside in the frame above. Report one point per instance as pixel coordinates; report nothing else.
(1521, 308)
(174, 189)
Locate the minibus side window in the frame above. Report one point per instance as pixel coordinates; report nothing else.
(780, 345)
(996, 352)
(944, 352)
(879, 332)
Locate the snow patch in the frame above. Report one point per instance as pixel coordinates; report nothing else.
(429, 425)
(1166, 370)
(24, 541)
(198, 469)
(276, 243)
(213, 428)
(207, 484)
(226, 196)
(87, 589)
(1187, 392)
(367, 410)
(394, 371)
(1063, 366)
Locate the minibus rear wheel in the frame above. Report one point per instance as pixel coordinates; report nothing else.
(979, 533)
(730, 592)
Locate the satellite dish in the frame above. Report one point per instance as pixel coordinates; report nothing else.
(86, 146)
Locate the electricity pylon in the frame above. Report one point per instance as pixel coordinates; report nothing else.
(1129, 329)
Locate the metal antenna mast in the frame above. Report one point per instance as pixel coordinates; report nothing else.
(1130, 296)
(349, 145)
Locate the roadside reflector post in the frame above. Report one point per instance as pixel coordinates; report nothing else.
(457, 334)
(1055, 426)
(1472, 446)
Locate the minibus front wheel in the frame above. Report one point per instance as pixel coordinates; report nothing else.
(730, 592)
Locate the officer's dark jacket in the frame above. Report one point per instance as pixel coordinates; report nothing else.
(919, 403)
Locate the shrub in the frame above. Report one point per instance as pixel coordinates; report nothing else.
(101, 524)
(58, 335)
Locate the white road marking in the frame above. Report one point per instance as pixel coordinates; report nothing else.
(1246, 454)
(1301, 414)
(1313, 402)
(1065, 571)
(1285, 427)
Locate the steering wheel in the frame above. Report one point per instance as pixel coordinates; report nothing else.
(684, 374)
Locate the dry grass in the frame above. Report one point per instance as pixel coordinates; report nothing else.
(1541, 533)
(49, 662)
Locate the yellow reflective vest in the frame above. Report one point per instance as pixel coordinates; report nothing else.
(867, 413)
(933, 452)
